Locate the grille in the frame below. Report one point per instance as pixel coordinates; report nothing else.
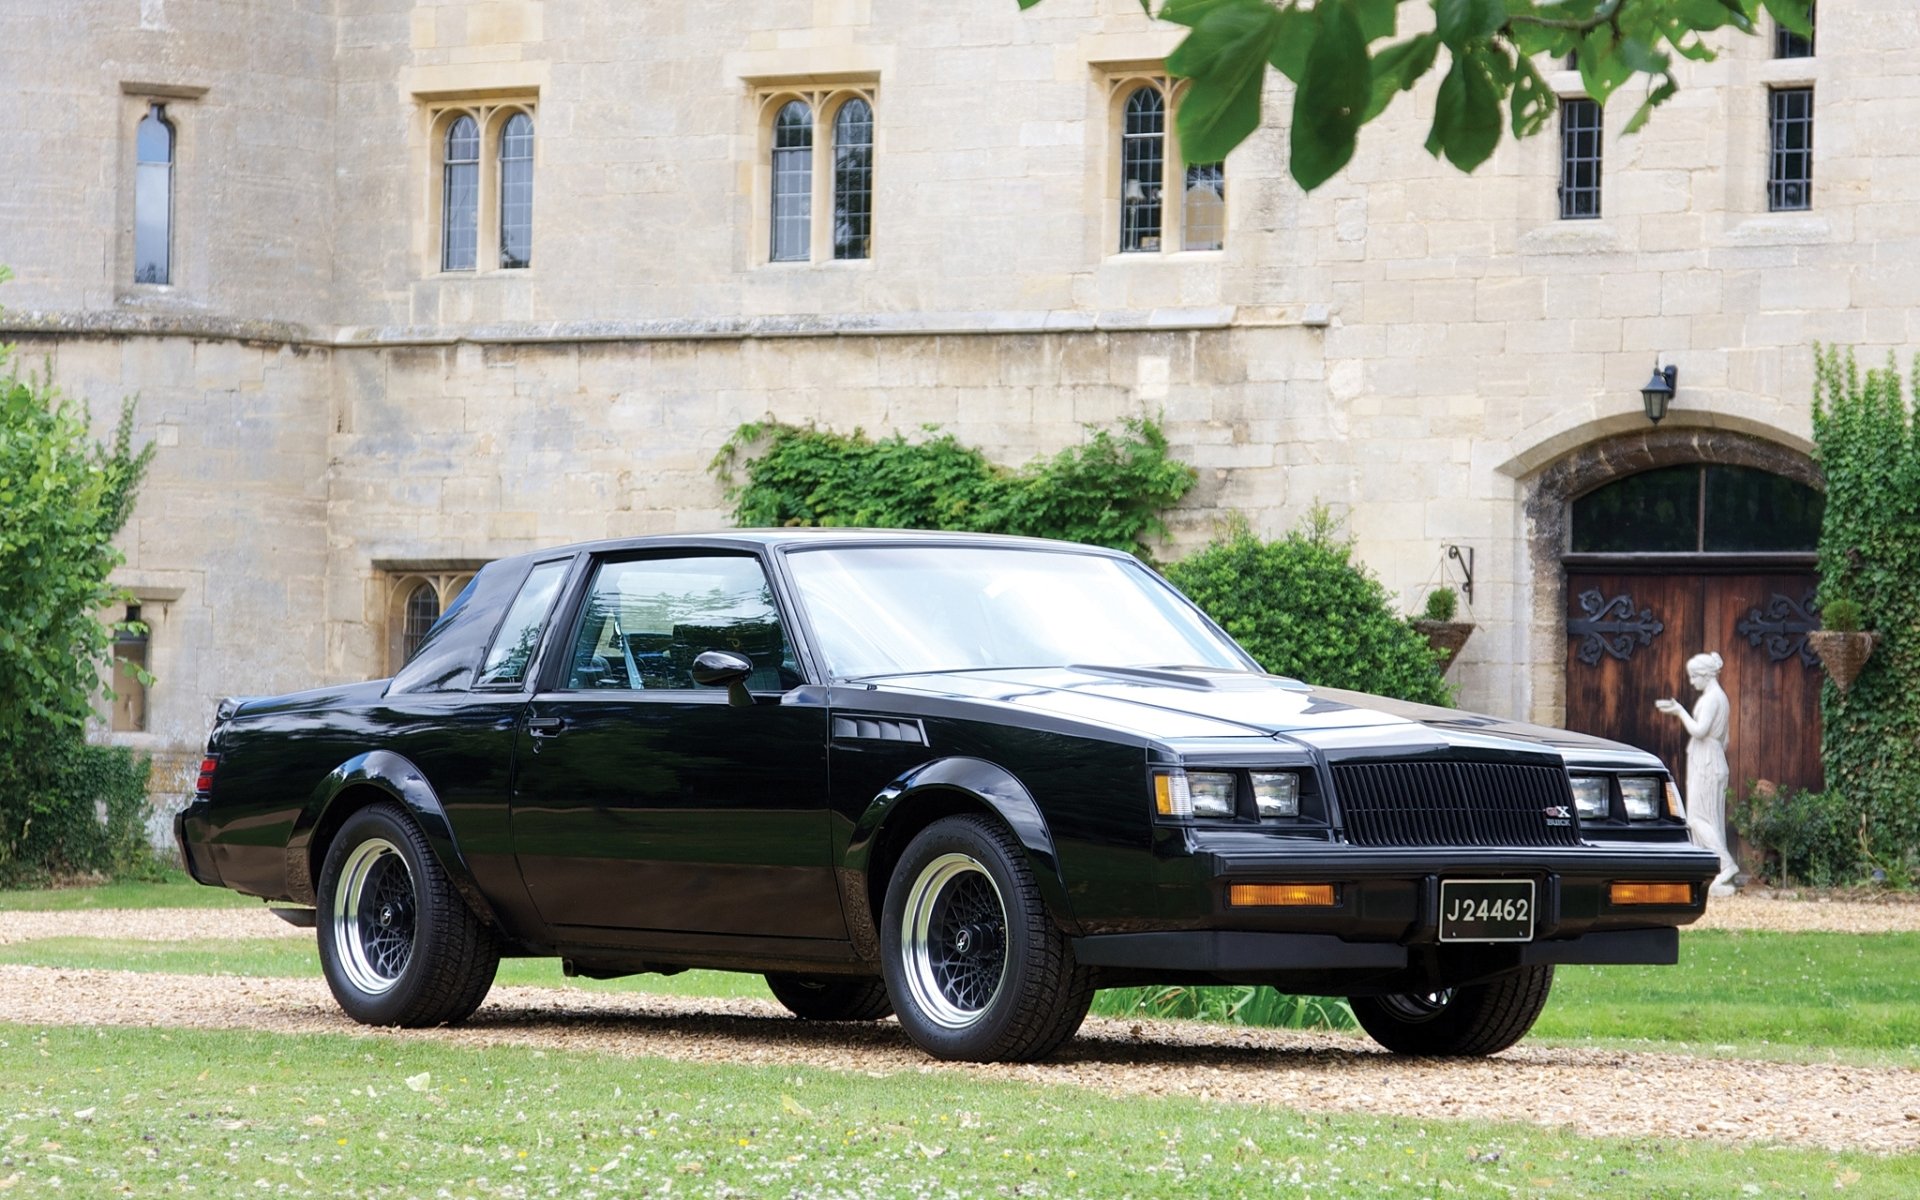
(1452, 804)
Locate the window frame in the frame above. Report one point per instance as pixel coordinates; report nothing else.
(491, 116)
(1176, 218)
(1777, 121)
(1570, 190)
(824, 102)
(401, 586)
(156, 113)
(1788, 44)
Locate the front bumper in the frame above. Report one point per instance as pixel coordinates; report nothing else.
(1381, 933)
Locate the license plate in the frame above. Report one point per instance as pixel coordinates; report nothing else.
(1486, 910)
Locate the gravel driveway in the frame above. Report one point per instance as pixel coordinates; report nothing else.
(1594, 1092)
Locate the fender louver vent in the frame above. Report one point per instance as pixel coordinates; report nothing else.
(878, 729)
(1452, 804)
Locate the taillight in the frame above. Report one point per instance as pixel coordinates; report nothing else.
(204, 784)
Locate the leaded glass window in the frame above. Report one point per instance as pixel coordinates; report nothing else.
(153, 198)
(1204, 207)
(1790, 132)
(1579, 159)
(516, 192)
(792, 182)
(460, 197)
(1143, 154)
(853, 180)
(1699, 509)
(423, 609)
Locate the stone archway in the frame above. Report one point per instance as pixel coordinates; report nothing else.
(1718, 601)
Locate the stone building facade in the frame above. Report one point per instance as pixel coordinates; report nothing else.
(1444, 360)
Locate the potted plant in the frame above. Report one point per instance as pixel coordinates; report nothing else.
(1438, 626)
(1842, 645)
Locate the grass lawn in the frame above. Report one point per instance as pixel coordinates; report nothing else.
(148, 1113)
(173, 890)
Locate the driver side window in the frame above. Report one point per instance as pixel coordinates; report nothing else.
(645, 620)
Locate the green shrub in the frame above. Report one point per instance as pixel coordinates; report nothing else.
(1868, 444)
(1841, 616)
(1303, 607)
(63, 497)
(1442, 604)
(1810, 837)
(73, 809)
(1109, 491)
(1240, 1004)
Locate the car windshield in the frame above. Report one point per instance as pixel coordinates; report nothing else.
(894, 610)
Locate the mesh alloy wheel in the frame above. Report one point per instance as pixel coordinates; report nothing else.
(374, 909)
(955, 940)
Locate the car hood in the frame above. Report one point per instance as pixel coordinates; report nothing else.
(1194, 703)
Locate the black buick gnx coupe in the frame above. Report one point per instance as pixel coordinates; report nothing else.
(966, 780)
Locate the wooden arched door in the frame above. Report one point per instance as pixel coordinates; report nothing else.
(1667, 563)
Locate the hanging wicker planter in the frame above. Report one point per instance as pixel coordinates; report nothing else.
(1842, 654)
(1447, 637)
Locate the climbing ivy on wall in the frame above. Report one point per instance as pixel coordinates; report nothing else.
(1868, 442)
(1108, 491)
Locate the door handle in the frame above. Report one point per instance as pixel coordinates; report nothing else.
(546, 726)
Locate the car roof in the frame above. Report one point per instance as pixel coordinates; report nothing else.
(810, 536)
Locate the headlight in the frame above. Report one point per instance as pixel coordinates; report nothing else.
(1213, 793)
(1591, 798)
(1276, 794)
(1178, 793)
(1641, 794)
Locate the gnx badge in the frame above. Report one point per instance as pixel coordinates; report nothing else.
(1558, 815)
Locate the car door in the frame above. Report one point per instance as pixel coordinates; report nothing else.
(645, 802)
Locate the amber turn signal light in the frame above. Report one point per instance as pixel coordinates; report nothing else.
(1302, 895)
(1651, 893)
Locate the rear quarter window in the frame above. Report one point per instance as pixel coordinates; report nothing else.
(511, 654)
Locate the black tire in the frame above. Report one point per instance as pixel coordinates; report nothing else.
(831, 997)
(1479, 1019)
(977, 970)
(397, 943)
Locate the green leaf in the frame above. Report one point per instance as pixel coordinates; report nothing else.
(1292, 44)
(1334, 96)
(1398, 67)
(1377, 17)
(1661, 93)
(1531, 101)
(1461, 21)
(1191, 12)
(1794, 14)
(1466, 115)
(1226, 57)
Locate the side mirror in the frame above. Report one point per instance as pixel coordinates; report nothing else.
(716, 668)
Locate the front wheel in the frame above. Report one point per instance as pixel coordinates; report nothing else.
(1478, 1019)
(976, 968)
(397, 943)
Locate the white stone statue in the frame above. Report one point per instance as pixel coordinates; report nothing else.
(1706, 794)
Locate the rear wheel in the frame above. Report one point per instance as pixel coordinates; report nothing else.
(1478, 1019)
(831, 997)
(397, 943)
(974, 963)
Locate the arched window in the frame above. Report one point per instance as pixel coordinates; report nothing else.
(792, 182)
(1698, 509)
(1143, 154)
(516, 192)
(853, 180)
(423, 609)
(153, 199)
(460, 196)
(1203, 209)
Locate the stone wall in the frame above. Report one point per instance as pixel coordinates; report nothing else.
(1421, 351)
